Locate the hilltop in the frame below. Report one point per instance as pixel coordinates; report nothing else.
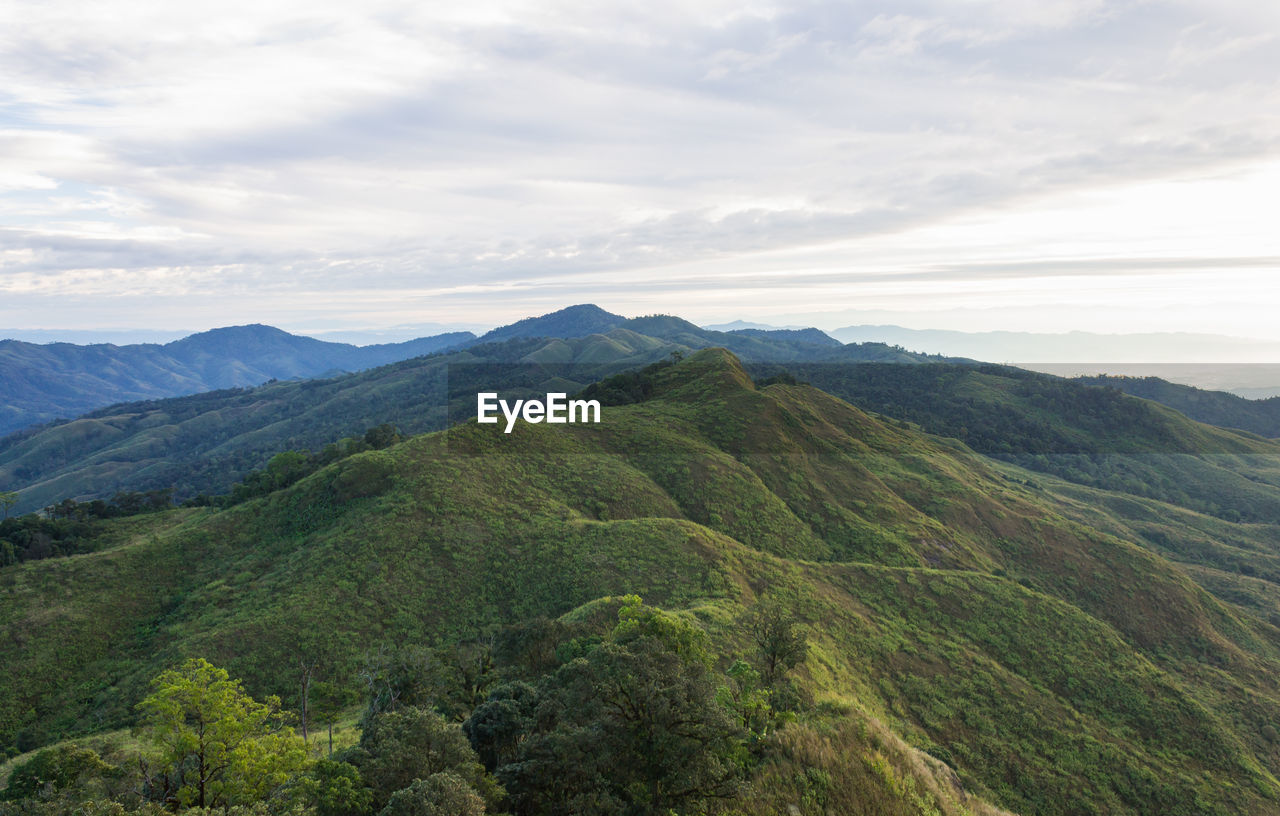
(1052, 659)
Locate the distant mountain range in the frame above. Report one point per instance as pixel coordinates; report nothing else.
(63, 380)
(147, 417)
(44, 382)
(205, 442)
(1252, 381)
(738, 325)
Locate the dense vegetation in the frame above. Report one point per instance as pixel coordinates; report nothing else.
(619, 707)
(1219, 408)
(968, 633)
(70, 527)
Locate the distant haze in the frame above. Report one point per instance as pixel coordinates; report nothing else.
(1246, 367)
(1070, 347)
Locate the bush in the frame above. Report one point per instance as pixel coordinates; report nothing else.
(441, 794)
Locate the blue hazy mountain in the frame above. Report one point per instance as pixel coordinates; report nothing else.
(62, 380)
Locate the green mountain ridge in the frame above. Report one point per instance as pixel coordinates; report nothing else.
(1058, 663)
(1095, 436)
(206, 442)
(1219, 408)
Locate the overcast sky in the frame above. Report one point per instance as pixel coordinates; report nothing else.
(1016, 164)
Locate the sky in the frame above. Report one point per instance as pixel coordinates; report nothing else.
(1026, 165)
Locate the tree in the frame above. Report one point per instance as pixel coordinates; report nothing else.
(411, 743)
(53, 770)
(462, 674)
(637, 729)
(441, 794)
(328, 700)
(382, 436)
(215, 745)
(397, 677)
(778, 637)
(497, 726)
(637, 620)
(336, 789)
(7, 501)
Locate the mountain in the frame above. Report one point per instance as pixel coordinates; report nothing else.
(573, 321)
(206, 442)
(811, 336)
(1254, 381)
(1213, 407)
(89, 337)
(755, 344)
(1086, 434)
(1070, 347)
(44, 382)
(974, 639)
(771, 345)
(738, 325)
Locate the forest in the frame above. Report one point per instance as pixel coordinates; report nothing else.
(841, 611)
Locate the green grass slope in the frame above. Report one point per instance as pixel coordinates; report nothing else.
(1053, 665)
(1093, 436)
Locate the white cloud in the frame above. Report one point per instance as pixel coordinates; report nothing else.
(494, 158)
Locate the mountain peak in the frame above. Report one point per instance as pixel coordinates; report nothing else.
(254, 331)
(571, 321)
(716, 368)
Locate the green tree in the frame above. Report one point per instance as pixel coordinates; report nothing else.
(53, 770)
(441, 794)
(778, 637)
(215, 745)
(636, 620)
(497, 726)
(411, 743)
(7, 501)
(336, 789)
(637, 729)
(743, 695)
(382, 436)
(395, 678)
(328, 701)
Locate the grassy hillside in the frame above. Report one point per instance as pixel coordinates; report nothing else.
(1214, 407)
(969, 632)
(1090, 435)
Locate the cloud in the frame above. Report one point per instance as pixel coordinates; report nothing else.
(308, 148)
